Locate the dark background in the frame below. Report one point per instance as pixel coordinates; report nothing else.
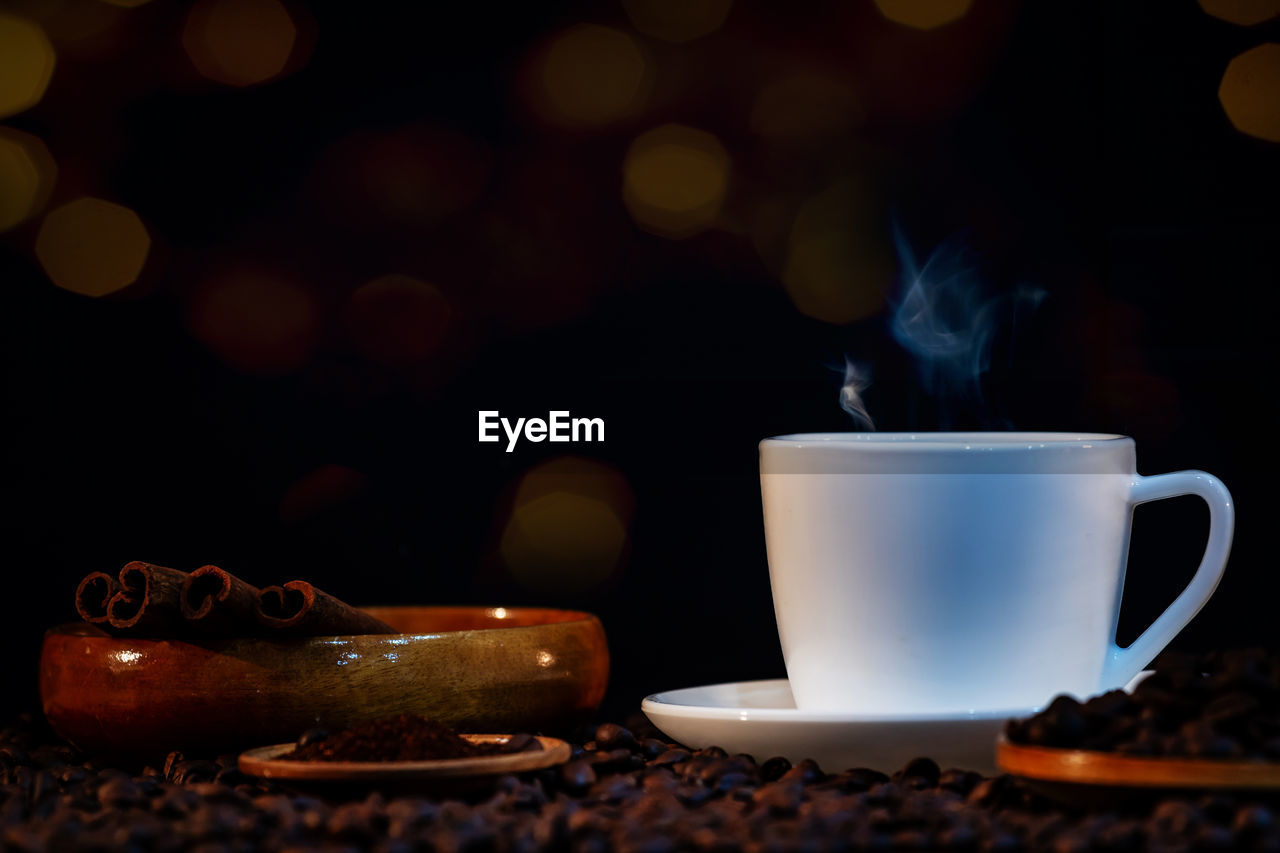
(1077, 147)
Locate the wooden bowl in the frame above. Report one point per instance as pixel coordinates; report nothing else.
(475, 668)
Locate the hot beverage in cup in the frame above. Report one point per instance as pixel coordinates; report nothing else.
(941, 573)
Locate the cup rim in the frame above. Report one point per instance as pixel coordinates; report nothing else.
(1007, 442)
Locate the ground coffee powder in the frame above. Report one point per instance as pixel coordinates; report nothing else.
(406, 737)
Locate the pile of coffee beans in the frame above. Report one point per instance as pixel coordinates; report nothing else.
(405, 737)
(622, 791)
(1225, 705)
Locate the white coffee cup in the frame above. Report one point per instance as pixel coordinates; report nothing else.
(923, 573)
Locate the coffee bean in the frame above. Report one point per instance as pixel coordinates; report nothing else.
(612, 789)
(1214, 838)
(989, 792)
(960, 781)
(919, 773)
(732, 780)
(670, 757)
(806, 772)
(652, 747)
(1252, 821)
(613, 736)
(774, 768)
(693, 795)
(121, 793)
(190, 772)
(1175, 818)
(779, 798)
(578, 776)
(717, 803)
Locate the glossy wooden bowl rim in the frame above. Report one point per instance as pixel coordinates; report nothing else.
(1094, 767)
(266, 763)
(574, 617)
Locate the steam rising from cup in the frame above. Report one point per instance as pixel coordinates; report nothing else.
(856, 378)
(948, 322)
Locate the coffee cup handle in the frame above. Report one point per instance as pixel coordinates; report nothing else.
(1124, 663)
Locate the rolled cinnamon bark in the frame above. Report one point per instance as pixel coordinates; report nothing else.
(300, 608)
(148, 602)
(93, 595)
(215, 601)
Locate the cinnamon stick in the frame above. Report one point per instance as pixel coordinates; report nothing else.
(93, 595)
(215, 601)
(300, 608)
(148, 602)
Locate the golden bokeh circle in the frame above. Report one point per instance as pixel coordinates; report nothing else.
(27, 175)
(838, 263)
(568, 527)
(239, 42)
(591, 75)
(923, 14)
(1244, 13)
(675, 179)
(256, 321)
(92, 246)
(1250, 92)
(677, 21)
(26, 64)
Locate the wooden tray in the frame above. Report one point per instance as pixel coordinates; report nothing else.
(1112, 770)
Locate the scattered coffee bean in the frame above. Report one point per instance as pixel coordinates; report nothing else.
(652, 747)
(613, 736)
(578, 776)
(670, 757)
(1216, 706)
(631, 792)
(773, 768)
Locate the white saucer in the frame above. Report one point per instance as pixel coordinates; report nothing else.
(760, 718)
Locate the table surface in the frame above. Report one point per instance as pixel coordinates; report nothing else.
(621, 791)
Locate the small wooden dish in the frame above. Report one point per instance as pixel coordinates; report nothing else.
(266, 763)
(1082, 767)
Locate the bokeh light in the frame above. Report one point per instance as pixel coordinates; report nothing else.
(239, 42)
(1250, 92)
(256, 321)
(568, 527)
(26, 64)
(839, 263)
(411, 176)
(27, 175)
(677, 20)
(675, 179)
(398, 320)
(1244, 13)
(923, 14)
(590, 75)
(804, 107)
(92, 247)
(324, 488)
